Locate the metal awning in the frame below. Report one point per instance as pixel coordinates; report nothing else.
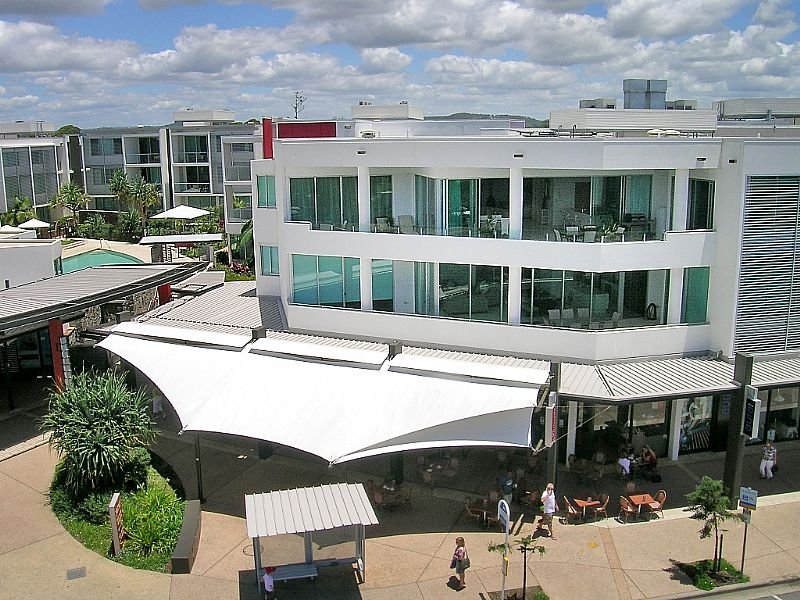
(308, 509)
(188, 238)
(325, 348)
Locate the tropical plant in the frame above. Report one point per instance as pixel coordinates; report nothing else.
(97, 424)
(18, 212)
(95, 227)
(526, 545)
(152, 519)
(120, 186)
(709, 503)
(71, 196)
(129, 226)
(244, 246)
(143, 197)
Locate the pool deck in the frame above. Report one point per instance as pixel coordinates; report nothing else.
(135, 250)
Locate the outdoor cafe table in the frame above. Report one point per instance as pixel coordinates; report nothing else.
(640, 500)
(482, 507)
(584, 504)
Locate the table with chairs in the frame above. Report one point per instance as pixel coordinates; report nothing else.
(641, 505)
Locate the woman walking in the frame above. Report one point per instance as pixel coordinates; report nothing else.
(460, 562)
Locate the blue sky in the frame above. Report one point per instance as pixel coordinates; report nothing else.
(123, 62)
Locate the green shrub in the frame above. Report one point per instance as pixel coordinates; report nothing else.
(96, 424)
(540, 595)
(94, 508)
(135, 470)
(152, 519)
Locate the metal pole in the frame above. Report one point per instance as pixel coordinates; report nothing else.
(744, 545)
(198, 467)
(719, 558)
(505, 562)
(257, 559)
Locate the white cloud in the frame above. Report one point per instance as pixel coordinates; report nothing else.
(32, 47)
(18, 102)
(658, 19)
(378, 60)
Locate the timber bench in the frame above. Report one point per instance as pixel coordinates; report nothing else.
(297, 571)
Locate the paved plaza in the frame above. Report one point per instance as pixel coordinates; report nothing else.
(407, 555)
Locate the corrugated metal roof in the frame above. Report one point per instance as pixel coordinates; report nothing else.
(668, 377)
(472, 364)
(776, 372)
(77, 286)
(583, 380)
(308, 509)
(202, 282)
(284, 342)
(232, 306)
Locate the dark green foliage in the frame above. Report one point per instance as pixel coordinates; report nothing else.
(152, 519)
(705, 577)
(129, 226)
(94, 508)
(96, 424)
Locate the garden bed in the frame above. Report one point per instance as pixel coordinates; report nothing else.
(703, 577)
(533, 592)
(151, 515)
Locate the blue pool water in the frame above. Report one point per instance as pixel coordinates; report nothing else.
(94, 258)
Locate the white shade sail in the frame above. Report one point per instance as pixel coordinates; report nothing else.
(336, 412)
(11, 229)
(181, 212)
(34, 224)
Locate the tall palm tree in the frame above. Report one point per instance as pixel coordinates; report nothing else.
(71, 196)
(144, 196)
(19, 212)
(120, 186)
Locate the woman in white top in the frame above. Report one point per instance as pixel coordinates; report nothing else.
(550, 507)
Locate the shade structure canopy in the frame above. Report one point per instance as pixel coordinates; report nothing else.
(339, 413)
(34, 224)
(181, 212)
(11, 229)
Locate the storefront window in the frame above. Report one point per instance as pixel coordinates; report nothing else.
(696, 418)
(651, 426)
(783, 413)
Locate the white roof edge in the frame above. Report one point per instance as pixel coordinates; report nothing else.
(474, 369)
(180, 334)
(325, 351)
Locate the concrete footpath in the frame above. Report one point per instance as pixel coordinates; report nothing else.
(407, 556)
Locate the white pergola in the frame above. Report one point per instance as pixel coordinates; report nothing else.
(306, 510)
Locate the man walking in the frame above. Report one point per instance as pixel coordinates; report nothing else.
(550, 507)
(769, 459)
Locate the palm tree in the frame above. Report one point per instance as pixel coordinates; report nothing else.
(120, 186)
(19, 212)
(71, 196)
(245, 246)
(97, 425)
(143, 196)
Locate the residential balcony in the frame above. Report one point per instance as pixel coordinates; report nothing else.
(238, 215)
(188, 158)
(237, 172)
(143, 159)
(192, 188)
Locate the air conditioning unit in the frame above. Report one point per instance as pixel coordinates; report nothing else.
(368, 133)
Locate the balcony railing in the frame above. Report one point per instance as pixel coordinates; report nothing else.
(239, 215)
(190, 157)
(237, 173)
(192, 188)
(143, 159)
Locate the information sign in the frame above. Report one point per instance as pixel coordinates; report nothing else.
(752, 412)
(748, 498)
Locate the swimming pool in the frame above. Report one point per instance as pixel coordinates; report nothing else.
(95, 258)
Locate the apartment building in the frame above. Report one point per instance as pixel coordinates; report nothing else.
(31, 167)
(640, 252)
(185, 159)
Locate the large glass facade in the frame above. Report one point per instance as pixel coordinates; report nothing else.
(326, 280)
(607, 429)
(380, 199)
(701, 204)
(382, 285)
(476, 292)
(425, 201)
(780, 414)
(325, 202)
(477, 207)
(593, 300)
(694, 305)
(426, 288)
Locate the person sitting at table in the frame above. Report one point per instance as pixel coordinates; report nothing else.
(625, 463)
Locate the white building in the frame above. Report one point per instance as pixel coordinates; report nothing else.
(609, 251)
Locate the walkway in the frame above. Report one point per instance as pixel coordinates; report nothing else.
(408, 555)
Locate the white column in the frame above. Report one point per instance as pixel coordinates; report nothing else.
(365, 272)
(680, 200)
(675, 296)
(363, 206)
(514, 295)
(674, 445)
(515, 203)
(572, 426)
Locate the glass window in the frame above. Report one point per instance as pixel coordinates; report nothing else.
(352, 282)
(701, 204)
(425, 288)
(696, 424)
(380, 196)
(478, 292)
(382, 285)
(304, 279)
(331, 281)
(637, 197)
(266, 191)
(454, 290)
(783, 413)
(462, 207)
(329, 200)
(349, 202)
(270, 264)
(301, 199)
(695, 295)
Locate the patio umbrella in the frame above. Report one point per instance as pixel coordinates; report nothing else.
(34, 224)
(181, 212)
(11, 229)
